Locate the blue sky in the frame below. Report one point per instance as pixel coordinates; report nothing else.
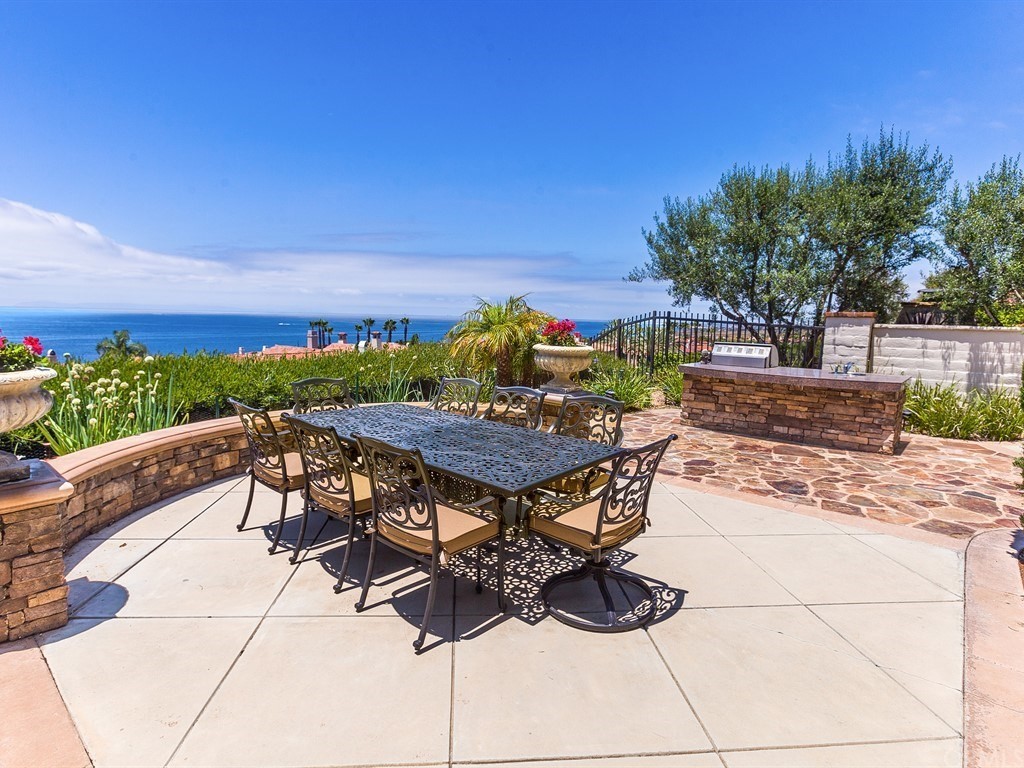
(405, 157)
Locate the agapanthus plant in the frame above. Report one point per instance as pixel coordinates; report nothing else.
(561, 333)
(19, 357)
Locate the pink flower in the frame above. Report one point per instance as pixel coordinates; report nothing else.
(33, 344)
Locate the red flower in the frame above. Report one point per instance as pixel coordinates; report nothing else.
(33, 344)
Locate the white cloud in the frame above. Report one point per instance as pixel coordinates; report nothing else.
(51, 260)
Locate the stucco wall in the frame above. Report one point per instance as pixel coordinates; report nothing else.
(971, 358)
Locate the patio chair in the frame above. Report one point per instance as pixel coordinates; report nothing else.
(520, 406)
(273, 460)
(590, 417)
(331, 486)
(595, 526)
(317, 394)
(457, 396)
(410, 516)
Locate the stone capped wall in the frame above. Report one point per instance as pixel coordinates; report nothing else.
(73, 496)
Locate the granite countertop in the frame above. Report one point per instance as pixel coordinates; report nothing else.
(800, 377)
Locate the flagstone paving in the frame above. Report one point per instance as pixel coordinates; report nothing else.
(952, 487)
(781, 639)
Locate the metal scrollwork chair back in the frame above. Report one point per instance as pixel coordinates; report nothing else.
(409, 515)
(609, 519)
(457, 396)
(318, 394)
(591, 417)
(273, 457)
(331, 487)
(520, 406)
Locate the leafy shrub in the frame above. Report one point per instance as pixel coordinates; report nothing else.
(631, 385)
(941, 410)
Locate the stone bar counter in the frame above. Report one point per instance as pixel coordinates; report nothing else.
(861, 412)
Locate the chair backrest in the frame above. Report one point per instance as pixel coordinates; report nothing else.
(403, 501)
(521, 406)
(625, 498)
(325, 462)
(267, 445)
(591, 417)
(311, 395)
(457, 396)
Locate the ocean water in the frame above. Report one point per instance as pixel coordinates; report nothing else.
(78, 332)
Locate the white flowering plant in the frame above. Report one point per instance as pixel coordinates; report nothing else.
(97, 410)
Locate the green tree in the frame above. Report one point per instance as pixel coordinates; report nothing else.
(405, 329)
(368, 322)
(359, 330)
(981, 277)
(499, 335)
(121, 344)
(389, 326)
(766, 247)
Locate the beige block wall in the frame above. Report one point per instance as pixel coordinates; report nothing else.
(969, 357)
(848, 339)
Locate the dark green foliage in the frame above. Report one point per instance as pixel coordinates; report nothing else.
(775, 245)
(982, 277)
(120, 344)
(943, 411)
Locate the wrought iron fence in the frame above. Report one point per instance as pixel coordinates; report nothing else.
(657, 338)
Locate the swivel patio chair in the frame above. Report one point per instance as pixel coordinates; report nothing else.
(274, 460)
(520, 406)
(595, 526)
(457, 396)
(331, 486)
(412, 517)
(318, 394)
(589, 417)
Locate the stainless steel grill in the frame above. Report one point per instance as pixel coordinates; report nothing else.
(745, 355)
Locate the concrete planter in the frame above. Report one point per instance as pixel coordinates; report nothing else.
(563, 362)
(22, 401)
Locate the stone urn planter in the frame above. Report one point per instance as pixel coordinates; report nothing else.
(563, 362)
(22, 401)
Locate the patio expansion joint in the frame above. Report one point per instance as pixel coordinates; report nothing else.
(101, 590)
(231, 666)
(726, 752)
(963, 567)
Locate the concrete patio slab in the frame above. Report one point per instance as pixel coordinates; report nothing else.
(837, 569)
(95, 563)
(329, 692)
(781, 677)
(711, 572)
(942, 753)
(196, 578)
(161, 520)
(701, 760)
(943, 567)
(565, 693)
(737, 518)
(670, 516)
(134, 686)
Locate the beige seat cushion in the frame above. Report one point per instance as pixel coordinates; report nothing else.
(339, 504)
(577, 526)
(573, 484)
(456, 530)
(292, 466)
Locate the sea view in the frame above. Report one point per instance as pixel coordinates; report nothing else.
(77, 332)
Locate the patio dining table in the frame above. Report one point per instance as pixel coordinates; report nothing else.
(507, 461)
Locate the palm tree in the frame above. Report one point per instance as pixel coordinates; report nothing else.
(498, 335)
(359, 329)
(389, 326)
(121, 344)
(405, 330)
(368, 322)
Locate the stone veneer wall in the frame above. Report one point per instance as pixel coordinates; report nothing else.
(73, 496)
(837, 418)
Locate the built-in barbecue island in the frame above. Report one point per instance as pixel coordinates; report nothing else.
(741, 391)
